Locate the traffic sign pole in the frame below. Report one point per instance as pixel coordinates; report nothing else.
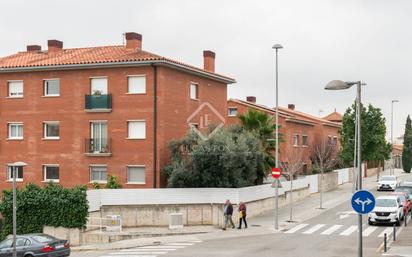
(276, 175)
(360, 246)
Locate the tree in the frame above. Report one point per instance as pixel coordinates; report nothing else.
(407, 147)
(263, 125)
(228, 159)
(373, 131)
(323, 156)
(293, 163)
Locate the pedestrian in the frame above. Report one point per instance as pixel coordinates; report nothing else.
(242, 214)
(228, 212)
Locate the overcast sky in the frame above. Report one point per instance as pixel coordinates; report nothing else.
(323, 40)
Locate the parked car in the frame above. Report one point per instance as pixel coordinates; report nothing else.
(387, 183)
(388, 209)
(405, 201)
(405, 188)
(35, 245)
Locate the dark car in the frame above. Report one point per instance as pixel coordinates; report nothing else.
(33, 245)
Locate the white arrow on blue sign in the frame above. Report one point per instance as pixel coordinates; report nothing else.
(363, 202)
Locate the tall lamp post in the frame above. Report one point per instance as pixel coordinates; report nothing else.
(393, 101)
(277, 47)
(14, 167)
(341, 85)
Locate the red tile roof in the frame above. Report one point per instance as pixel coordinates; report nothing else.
(90, 56)
(334, 116)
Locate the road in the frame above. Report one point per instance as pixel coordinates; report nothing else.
(332, 233)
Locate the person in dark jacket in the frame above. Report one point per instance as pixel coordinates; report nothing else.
(228, 212)
(242, 214)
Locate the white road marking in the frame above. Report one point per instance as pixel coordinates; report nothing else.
(388, 231)
(296, 228)
(314, 229)
(137, 252)
(368, 231)
(349, 231)
(149, 249)
(179, 244)
(162, 246)
(139, 255)
(330, 230)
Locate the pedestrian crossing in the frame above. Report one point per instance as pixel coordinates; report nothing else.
(340, 230)
(151, 250)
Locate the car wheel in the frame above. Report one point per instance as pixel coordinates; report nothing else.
(370, 223)
(398, 222)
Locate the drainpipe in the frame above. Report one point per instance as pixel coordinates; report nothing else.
(154, 125)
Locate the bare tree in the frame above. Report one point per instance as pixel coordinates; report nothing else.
(293, 163)
(323, 156)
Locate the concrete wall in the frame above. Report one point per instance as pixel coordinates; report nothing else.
(193, 214)
(74, 235)
(330, 181)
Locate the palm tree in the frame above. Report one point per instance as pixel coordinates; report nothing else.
(264, 126)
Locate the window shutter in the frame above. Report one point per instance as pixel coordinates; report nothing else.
(99, 84)
(137, 129)
(137, 84)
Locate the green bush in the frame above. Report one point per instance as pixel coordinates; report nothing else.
(52, 205)
(113, 182)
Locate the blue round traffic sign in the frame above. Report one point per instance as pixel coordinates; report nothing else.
(363, 202)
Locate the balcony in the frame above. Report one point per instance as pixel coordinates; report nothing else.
(98, 103)
(98, 147)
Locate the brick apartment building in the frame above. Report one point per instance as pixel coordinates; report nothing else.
(299, 129)
(76, 115)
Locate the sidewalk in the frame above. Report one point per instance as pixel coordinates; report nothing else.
(402, 247)
(264, 224)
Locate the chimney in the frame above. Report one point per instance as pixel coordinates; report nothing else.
(251, 99)
(291, 106)
(33, 48)
(54, 46)
(209, 60)
(133, 40)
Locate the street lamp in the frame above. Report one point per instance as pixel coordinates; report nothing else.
(341, 85)
(393, 101)
(14, 167)
(277, 47)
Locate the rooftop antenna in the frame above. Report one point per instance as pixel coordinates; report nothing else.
(123, 36)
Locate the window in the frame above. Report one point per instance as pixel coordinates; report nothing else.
(15, 130)
(6, 244)
(296, 140)
(329, 140)
(51, 87)
(98, 174)
(136, 174)
(193, 91)
(136, 129)
(136, 85)
(232, 111)
(304, 140)
(51, 173)
(52, 130)
(98, 86)
(335, 140)
(16, 89)
(19, 173)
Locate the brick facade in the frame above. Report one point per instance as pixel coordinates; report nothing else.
(172, 81)
(292, 123)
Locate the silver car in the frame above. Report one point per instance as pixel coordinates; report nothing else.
(33, 245)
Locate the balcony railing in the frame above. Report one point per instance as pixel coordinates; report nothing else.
(98, 146)
(97, 102)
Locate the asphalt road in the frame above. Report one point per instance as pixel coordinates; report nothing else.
(332, 233)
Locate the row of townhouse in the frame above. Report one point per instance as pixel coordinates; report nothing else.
(75, 115)
(299, 130)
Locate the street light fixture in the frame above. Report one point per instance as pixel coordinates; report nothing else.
(14, 167)
(393, 101)
(277, 47)
(341, 85)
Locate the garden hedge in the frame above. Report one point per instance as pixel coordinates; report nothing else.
(52, 205)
